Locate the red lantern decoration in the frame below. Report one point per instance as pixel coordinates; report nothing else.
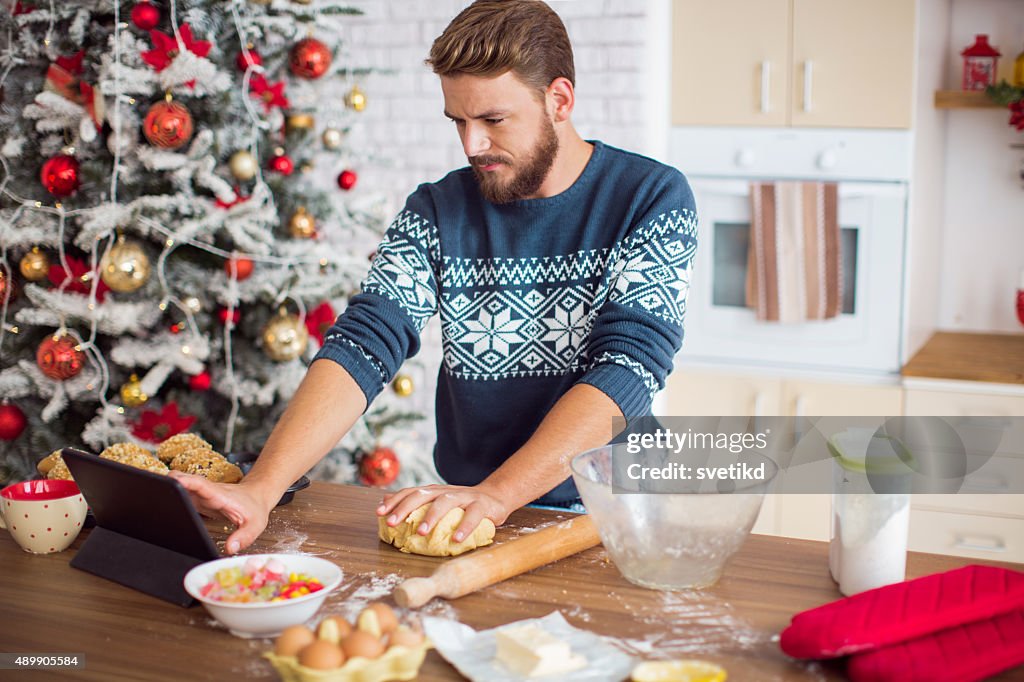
(59, 175)
(283, 164)
(200, 382)
(347, 179)
(241, 266)
(168, 125)
(236, 316)
(12, 421)
(979, 64)
(248, 58)
(145, 15)
(310, 58)
(60, 357)
(379, 468)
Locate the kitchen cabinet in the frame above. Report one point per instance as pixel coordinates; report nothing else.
(814, 63)
(984, 521)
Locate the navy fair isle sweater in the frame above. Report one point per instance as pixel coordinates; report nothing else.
(535, 296)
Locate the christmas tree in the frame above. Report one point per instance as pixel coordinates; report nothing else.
(169, 259)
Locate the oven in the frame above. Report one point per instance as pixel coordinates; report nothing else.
(871, 171)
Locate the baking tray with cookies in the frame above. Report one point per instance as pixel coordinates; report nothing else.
(185, 452)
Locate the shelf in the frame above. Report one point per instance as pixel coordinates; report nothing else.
(963, 99)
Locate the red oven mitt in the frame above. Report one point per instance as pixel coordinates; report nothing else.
(904, 611)
(964, 653)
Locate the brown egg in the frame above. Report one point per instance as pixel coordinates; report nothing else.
(385, 617)
(321, 655)
(363, 644)
(292, 640)
(334, 629)
(407, 637)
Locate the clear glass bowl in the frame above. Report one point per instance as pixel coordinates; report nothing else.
(669, 540)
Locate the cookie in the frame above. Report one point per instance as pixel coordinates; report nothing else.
(47, 463)
(177, 444)
(134, 456)
(60, 471)
(208, 464)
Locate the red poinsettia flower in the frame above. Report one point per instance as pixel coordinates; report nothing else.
(319, 320)
(156, 427)
(165, 47)
(272, 94)
(1017, 114)
(73, 63)
(79, 269)
(21, 9)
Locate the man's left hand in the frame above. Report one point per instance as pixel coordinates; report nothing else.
(476, 500)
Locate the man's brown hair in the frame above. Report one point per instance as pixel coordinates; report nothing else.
(491, 37)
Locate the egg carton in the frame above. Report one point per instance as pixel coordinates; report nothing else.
(397, 663)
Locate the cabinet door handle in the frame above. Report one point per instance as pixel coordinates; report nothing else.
(808, 83)
(766, 86)
(759, 404)
(980, 544)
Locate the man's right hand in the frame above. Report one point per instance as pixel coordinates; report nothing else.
(239, 503)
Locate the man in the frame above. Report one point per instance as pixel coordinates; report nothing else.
(559, 267)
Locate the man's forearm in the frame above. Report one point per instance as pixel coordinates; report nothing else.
(325, 406)
(580, 420)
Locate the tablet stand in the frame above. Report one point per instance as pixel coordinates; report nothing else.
(134, 563)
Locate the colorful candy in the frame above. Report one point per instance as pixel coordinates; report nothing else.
(259, 582)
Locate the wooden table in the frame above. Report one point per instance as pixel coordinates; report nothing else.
(47, 606)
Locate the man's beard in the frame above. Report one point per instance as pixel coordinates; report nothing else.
(527, 180)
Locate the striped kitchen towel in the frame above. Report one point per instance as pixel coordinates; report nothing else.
(793, 271)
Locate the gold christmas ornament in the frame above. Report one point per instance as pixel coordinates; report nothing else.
(403, 385)
(243, 165)
(193, 304)
(297, 121)
(302, 225)
(332, 138)
(126, 267)
(355, 99)
(34, 265)
(132, 394)
(285, 337)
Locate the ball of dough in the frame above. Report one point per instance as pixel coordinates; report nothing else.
(438, 542)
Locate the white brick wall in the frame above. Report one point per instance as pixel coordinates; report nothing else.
(404, 121)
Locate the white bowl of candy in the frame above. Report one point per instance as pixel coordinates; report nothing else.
(259, 595)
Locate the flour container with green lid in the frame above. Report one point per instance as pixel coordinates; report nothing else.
(870, 509)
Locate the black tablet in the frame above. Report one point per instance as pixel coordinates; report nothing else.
(147, 535)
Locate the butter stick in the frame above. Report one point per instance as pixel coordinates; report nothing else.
(531, 651)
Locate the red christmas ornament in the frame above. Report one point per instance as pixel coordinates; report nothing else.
(12, 421)
(81, 278)
(156, 427)
(247, 58)
(379, 468)
(309, 58)
(347, 179)
(59, 357)
(59, 175)
(177, 328)
(8, 289)
(236, 316)
(145, 15)
(168, 125)
(200, 382)
(283, 164)
(242, 268)
(980, 61)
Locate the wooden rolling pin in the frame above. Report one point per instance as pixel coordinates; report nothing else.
(485, 567)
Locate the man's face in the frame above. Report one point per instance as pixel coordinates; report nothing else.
(506, 132)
